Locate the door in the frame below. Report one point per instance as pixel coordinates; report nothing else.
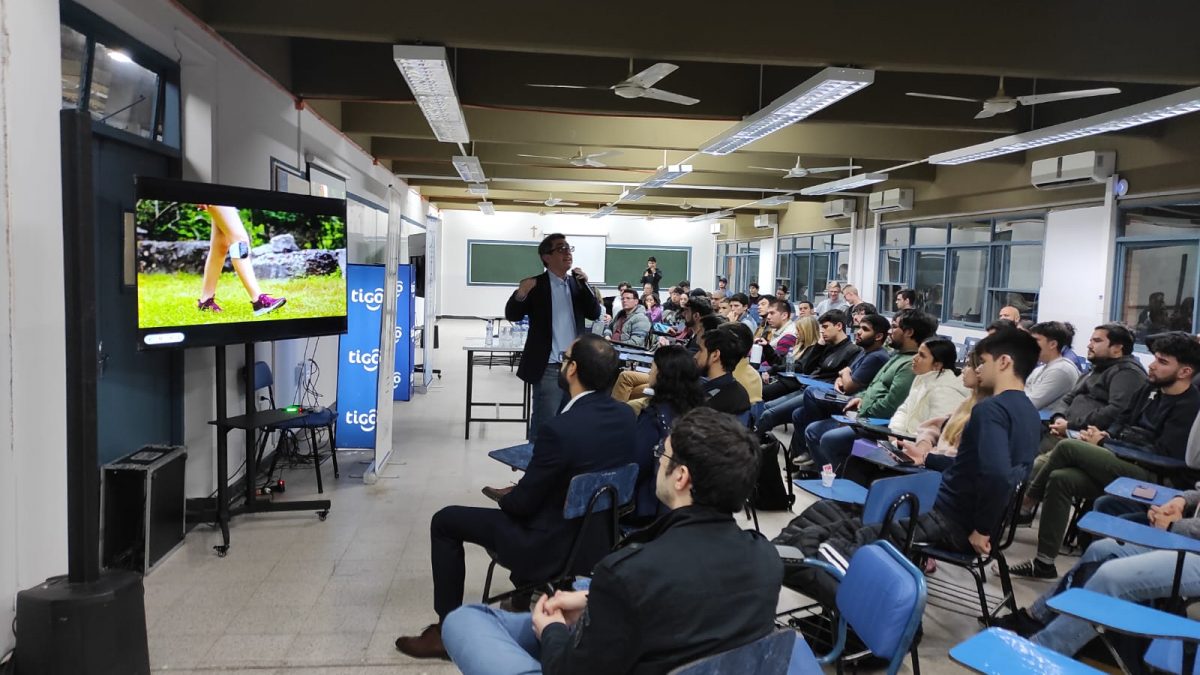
(139, 393)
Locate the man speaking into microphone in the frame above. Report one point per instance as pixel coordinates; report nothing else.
(556, 302)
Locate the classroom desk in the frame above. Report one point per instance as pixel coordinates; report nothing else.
(473, 346)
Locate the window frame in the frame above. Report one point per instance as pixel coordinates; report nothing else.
(744, 257)
(831, 249)
(1124, 244)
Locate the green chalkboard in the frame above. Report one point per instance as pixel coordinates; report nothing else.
(626, 263)
(501, 262)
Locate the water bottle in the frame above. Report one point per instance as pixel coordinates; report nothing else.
(790, 362)
(524, 334)
(487, 337)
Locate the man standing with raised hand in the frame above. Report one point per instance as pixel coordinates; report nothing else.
(556, 302)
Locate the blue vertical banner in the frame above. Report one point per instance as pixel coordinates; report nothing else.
(402, 384)
(358, 357)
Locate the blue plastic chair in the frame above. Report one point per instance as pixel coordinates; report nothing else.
(888, 499)
(768, 655)
(310, 422)
(589, 495)
(882, 597)
(996, 651)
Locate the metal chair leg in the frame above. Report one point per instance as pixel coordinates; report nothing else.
(487, 582)
(333, 453)
(312, 439)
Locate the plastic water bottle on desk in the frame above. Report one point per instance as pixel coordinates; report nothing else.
(524, 332)
(790, 363)
(487, 336)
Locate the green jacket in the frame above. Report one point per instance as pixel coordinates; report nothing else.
(889, 388)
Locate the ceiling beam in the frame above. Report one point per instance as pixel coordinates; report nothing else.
(1030, 39)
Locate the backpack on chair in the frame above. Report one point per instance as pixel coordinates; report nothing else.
(770, 494)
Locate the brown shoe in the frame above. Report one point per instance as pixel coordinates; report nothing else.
(496, 493)
(427, 645)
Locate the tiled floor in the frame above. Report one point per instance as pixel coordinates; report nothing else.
(302, 596)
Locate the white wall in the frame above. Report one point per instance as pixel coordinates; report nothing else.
(33, 503)
(1076, 269)
(456, 298)
(235, 120)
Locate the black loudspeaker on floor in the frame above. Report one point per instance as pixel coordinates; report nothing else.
(94, 628)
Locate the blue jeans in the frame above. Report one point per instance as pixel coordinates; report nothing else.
(482, 640)
(833, 446)
(812, 409)
(778, 411)
(1130, 572)
(547, 399)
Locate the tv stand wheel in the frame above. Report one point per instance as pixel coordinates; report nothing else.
(222, 550)
(323, 514)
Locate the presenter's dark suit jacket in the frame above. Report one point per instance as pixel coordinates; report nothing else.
(537, 306)
(596, 433)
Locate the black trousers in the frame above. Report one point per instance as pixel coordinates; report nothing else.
(450, 528)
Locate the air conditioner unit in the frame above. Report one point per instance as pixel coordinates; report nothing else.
(715, 228)
(766, 221)
(886, 201)
(838, 208)
(1083, 168)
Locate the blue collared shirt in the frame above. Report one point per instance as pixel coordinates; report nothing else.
(562, 317)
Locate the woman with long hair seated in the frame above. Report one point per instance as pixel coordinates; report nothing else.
(936, 390)
(937, 438)
(676, 390)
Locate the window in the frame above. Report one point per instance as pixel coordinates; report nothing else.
(1157, 252)
(806, 264)
(74, 58)
(963, 272)
(123, 93)
(738, 262)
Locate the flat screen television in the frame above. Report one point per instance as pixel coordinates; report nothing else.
(225, 265)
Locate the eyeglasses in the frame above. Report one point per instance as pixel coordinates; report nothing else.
(563, 248)
(660, 451)
(565, 357)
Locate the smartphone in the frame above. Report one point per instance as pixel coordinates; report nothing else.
(1144, 492)
(896, 453)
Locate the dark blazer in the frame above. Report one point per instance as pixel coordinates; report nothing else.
(692, 584)
(725, 394)
(596, 433)
(537, 306)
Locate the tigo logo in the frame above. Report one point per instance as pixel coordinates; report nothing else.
(399, 287)
(372, 299)
(364, 421)
(368, 360)
(396, 379)
(399, 333)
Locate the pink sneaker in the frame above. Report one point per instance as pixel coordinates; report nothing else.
(209, 305)
(266, 303)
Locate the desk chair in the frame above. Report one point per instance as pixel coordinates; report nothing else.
(996, 651)
(768, 655)
(589, 495)
(888, 499)
(881, 596)
(955, 598)
(321, 419)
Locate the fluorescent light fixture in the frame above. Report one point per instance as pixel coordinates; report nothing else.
(468, 168)
(713, 215)
(848, 183)
(1163, 108)
(488, 208)
(427, 73)
(777, 200)
(818, 92)
(606, 210)
(664, 175)
(631, 195)
(478, 189)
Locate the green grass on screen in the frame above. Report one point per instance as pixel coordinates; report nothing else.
(170, 299)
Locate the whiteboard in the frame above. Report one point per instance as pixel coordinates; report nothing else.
(589, 254)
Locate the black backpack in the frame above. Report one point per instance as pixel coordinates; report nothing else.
(770, 493)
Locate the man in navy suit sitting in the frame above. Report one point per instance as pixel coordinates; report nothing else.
(527, 533)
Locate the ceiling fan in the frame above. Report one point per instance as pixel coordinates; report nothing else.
(1002, 103)
(579, 159)
(800, 171)
(684, 205)
(551, 202)
(640, 85)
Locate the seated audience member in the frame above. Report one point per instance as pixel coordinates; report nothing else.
(1055, 377)
(832, 353)
(685, 287)
(833, 299)
(724, 308)
(1011, 313)
(783, 332)
(612, 303)
(654, 311)
(805, 308)
(870, 335)
(1158, 422)
(720, 351)
(630, 383)
(808, 335)
(695, 309)
(851, 296)
(676, 390)
(739, 308)
(1118, 569)
(906, 299)
(764, 327)
(1106, 391)
(936, 391)
(754, 298)
(631, 326)
(996, 451)
(858, 311)
(937, 438)
(528, 533)
(647, 289)
(692, 584)
(781, 293)
(881, 398)
(744, 373)
(672, 303)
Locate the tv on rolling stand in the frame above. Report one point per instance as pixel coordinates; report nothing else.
(221, 265)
